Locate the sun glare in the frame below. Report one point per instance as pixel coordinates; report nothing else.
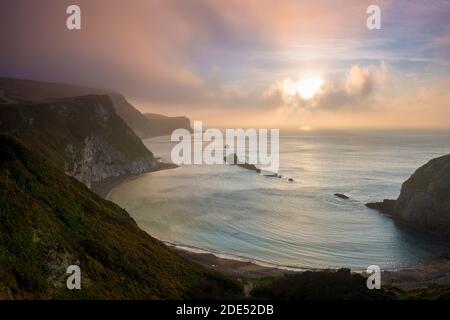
(306, 88)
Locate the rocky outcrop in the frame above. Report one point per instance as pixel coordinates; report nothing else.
(424, 200)
(82, 135)
(341, 195)
(387, 206)
(233, 159)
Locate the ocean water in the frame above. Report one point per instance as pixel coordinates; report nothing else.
(234, 212)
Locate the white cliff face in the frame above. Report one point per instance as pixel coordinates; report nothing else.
(95, 157)
(98, 160)
(82, 135)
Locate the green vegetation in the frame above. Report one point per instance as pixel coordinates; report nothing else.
(318, 285)
(434, 292)
(337, 285)
(49, 220)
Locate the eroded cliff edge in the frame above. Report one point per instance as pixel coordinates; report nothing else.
(424, 200)
(82, 135)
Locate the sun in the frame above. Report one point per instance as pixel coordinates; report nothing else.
(307, 88)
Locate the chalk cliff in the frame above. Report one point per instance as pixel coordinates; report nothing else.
(82, 135)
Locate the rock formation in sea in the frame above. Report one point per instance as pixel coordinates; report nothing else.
(387, 206)
(342, 196)
(234, 160)
(424, 200)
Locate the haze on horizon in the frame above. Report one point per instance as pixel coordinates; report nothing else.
(261, 63)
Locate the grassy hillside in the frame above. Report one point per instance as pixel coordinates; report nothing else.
(49, 221)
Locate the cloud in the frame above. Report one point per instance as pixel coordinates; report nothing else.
(203, 58)
(356, 90)
(162, 51)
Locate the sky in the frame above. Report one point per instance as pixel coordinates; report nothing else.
(302, 65)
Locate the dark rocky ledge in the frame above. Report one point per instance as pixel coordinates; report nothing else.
(235, 161)
(342, 196)
(387, 206)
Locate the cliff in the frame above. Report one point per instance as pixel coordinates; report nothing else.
(144, 126)
(424, 200)
(134, 119)
(81, 135)
(49, 221)
(163, 125)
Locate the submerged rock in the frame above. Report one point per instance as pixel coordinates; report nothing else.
(249, 166)
(341, 195)
(272, 175)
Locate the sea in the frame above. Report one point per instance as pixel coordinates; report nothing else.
(237, 213)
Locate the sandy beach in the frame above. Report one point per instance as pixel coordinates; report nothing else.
(103, 187)
(237, 268)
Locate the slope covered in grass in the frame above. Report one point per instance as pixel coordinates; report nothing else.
(49, 221)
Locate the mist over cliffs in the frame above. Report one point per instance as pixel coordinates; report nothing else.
(163, 125)
(144, 126)
(92, 134)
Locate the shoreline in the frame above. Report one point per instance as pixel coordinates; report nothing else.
(229, 266)
(103, 188)
(435, 272)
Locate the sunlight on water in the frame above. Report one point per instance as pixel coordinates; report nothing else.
(232, 211)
